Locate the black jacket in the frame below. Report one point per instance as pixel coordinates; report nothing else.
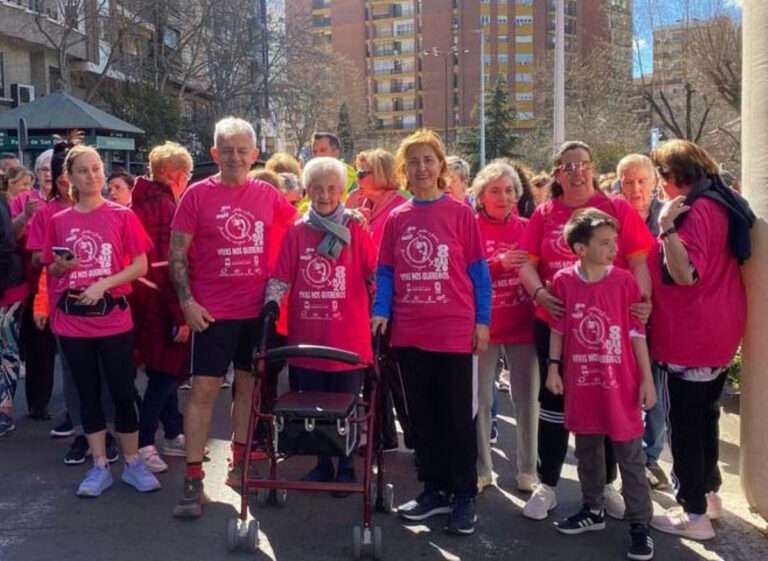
(740, 215)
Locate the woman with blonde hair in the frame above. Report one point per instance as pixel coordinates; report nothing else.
(379, 189)
(161, 334)
(93, 251)
(433, 278)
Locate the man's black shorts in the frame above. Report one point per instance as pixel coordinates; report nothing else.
(223, 342)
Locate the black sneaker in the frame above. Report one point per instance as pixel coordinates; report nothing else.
(641, 547)
(583, 521)
(192, 500)
(112, 453)
(426, 505)
(63, 430)
(78, 451)
(462, 520)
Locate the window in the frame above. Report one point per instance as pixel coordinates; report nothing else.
(523, 77)
(503, 58)
(524, 115)
(524, 96)
(523, 58)
(502, 38)
(487, 59)
(485, 20)
(523, 38)
(502, 20)
(523, 20)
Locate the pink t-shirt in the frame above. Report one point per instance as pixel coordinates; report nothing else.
(38, 225)
(376, 223)
(702, 324)
(17, 204)
(328, 302)
(511, 307)
(430, 246)
(546, 246)
(232, 229)
(105, 241)
(601, 376)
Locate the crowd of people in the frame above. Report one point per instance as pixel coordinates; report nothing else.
(602, 304)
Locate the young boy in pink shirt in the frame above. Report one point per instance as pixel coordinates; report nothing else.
(599, 360)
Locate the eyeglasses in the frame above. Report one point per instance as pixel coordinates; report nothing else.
(571, 167)
(362, 174)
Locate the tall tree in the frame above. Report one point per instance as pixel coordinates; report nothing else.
(344, 130)
(500, 137)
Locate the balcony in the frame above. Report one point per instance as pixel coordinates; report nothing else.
(380, 72)
(321, 4)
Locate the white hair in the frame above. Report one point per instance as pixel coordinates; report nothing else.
(42, 158)
(635, 160)
(232, 126)
(458, 166)
(492, 172)
(320, 167)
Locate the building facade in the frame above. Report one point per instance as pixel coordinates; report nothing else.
(422, 58)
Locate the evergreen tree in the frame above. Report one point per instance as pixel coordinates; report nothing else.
(344, 131)
(500, 140)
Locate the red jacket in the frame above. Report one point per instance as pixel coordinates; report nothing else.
(156, 309)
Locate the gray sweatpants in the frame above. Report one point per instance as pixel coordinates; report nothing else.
(590, 452)
(524, 390)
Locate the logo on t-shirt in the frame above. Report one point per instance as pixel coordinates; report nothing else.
(328, 285)
(318, 271)
(558, 244)
(240, 227)
(427, 263)
(92, 252)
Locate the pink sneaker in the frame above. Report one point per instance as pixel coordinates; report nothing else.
(680, 523)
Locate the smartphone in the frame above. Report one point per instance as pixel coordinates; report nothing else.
(64, 252)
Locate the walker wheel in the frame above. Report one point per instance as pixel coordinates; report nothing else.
(357, 542)
(252, 537)
(378, 543)
(280, 497)
(389, 498)
(233, 534)
(262, 497)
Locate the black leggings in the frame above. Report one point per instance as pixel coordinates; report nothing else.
(114, 353)
(38, 352)
(553, 437)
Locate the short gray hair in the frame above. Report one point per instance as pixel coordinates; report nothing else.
(458, 166)
(42, 158)
(232, 126)
(492, 172)
(633, 160)
(320, 167)
(291, 182)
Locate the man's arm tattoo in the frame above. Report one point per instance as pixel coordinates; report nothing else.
(179, 264)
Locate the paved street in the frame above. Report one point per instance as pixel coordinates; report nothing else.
(41, 519)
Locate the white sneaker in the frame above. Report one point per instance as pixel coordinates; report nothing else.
(527, 482)
(679, 523)
(483, 482)
(152, 459)
(175, 446)
(541, 502)
(714, 506)
(614, 503)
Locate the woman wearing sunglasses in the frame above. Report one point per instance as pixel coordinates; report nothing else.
(378, 187)
(573, 187)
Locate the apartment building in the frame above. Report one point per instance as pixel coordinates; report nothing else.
(422, 58)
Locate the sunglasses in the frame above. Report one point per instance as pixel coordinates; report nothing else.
(572, 167)
(362, 174)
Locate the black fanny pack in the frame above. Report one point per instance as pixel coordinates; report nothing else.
(70, 305)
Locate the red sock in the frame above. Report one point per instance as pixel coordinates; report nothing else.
(238, 452)
(195, 470)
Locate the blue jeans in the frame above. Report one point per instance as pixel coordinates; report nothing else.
(656, 419)
(161, 404)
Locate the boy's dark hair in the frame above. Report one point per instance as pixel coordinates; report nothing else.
(583, 223)
(129, 179)
(8, 156)
(333, 140)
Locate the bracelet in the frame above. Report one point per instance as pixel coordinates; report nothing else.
(536, 292)
(666, 233)
(557, 361)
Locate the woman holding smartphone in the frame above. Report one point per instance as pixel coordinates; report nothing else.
(100, 247)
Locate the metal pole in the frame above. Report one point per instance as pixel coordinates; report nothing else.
(445, 127)
(482, 97)
(558, 132)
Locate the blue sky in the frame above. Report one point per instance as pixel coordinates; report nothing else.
(649, 14)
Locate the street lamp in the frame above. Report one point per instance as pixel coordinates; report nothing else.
(445, 54)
